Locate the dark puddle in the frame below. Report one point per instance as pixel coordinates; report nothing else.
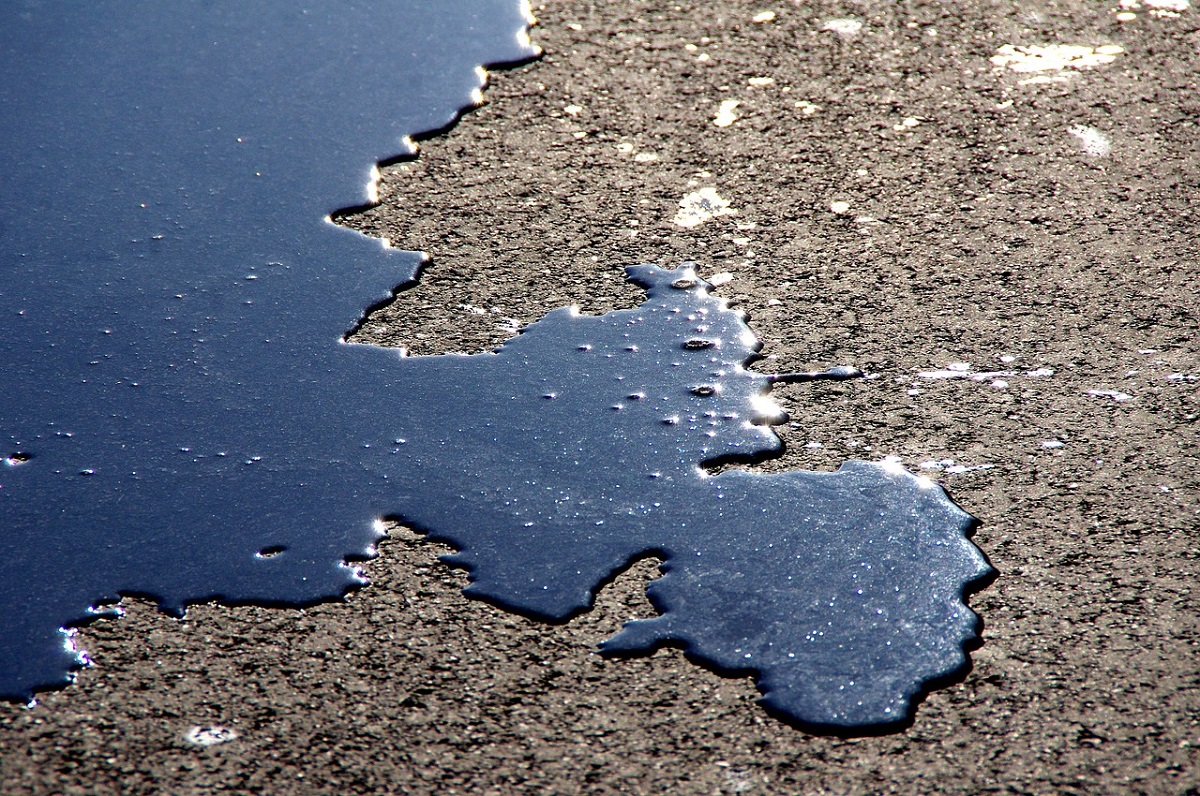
(577, 448)
(181, 421)
(174, 390)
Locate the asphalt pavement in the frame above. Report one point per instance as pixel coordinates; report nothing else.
(991, 207)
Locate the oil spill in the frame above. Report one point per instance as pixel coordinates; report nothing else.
(581, 445)
(175, 396)
(182, 420)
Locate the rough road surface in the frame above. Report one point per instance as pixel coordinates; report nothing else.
(906, 197)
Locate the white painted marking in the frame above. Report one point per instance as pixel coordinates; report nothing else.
(1162, 9)
(1055, 57)
(949, 466)
(844, 27)
(209, 736)
(1095, 144)
(725, 113)
(700, 206)
(1116, 395)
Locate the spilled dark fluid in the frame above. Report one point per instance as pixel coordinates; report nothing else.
(182, 421)
(578, 447)
(175, 397)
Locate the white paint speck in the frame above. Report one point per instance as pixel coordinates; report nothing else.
(725, 113)
(950, 467)
(843, 27)
(807, 108)
(908, 123)
(1052, 444)
(763, 16)
(1168, 5)
(998, 378)
(700, 206)
(1116, 395)
(209, 736)
(959, 469)
(645, 157)
(1158, 8)
(761, 81)
(963, 370)
(1055, 57)
(1095, 144)
(840, 208)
